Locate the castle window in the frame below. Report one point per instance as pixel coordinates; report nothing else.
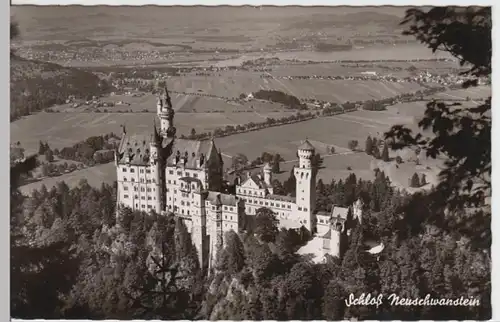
(179, 173)
(153, 180)
(305, 209)
(137, 205)
(148, 171)
(133, 180)
(149, 189)
(225, 207)
(300, 208)
(175, 191)
(168, 190)
(170, 171)
(169, 206)
(175, 182)
(187, 174)
(142, 171)
(169, 182)
(194, 186)
(218, 224)
(142, 198)
(124, 179)
(149, 198)
(142, 180)
(260, 202)
(142, 189)
(266, 204)
(125, 196)
(135, 189)
(136, 197)
(231, 208)
(302, 190)
(125, 188)
(143, 206)
(244, 191)
(148, 181)
(182, 211)
(188, 212)
(225, 217)
(132, 170)
(149, 206)
(182, 203)
(272, 204)
(124, 169)
(187, 203)
(289, 207)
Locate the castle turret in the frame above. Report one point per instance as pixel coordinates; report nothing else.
(267, 174)
(166, 116)
(155, 166)
(336, 237)
(305, 176)
(159, 106)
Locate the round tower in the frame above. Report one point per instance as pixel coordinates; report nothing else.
(155, 169)
(305, 153)
(305, 177)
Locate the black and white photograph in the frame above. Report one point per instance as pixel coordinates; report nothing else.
(250, 162)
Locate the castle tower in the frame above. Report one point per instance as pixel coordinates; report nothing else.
(357, 210)
(337, 237)
(199, 226)
(155, 166)
(305, 176)
(267, 174)
(166, 115)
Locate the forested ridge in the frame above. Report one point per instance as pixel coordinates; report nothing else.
(88, 265)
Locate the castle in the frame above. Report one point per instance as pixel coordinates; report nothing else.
(162, 173)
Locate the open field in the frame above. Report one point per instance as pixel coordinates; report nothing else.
(460, 94)
(396, 69)
(182, 103)
(65, 129)
(235, 83)
(104, 173)
(324, 132)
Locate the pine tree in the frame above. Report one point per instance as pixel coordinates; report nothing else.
(276, 163)
(415, 181)
(369, 145)
(235, 260)
(385, 153)
(423, 180)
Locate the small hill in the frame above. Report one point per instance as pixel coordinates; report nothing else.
(36, 85)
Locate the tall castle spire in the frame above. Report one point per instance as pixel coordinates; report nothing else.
(166, 116)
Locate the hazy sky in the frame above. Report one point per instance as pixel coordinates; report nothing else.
(251, 2)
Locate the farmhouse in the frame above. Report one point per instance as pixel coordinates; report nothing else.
(162, 173)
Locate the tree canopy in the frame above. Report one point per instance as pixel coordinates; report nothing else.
(462, 134)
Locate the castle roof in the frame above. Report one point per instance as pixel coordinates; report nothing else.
(134, 149)
(189, 179)
(194, 149)
(218, 198)
(323, 213)
(328, 234)
(306, 146)
(340, 212)
(281, 198)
